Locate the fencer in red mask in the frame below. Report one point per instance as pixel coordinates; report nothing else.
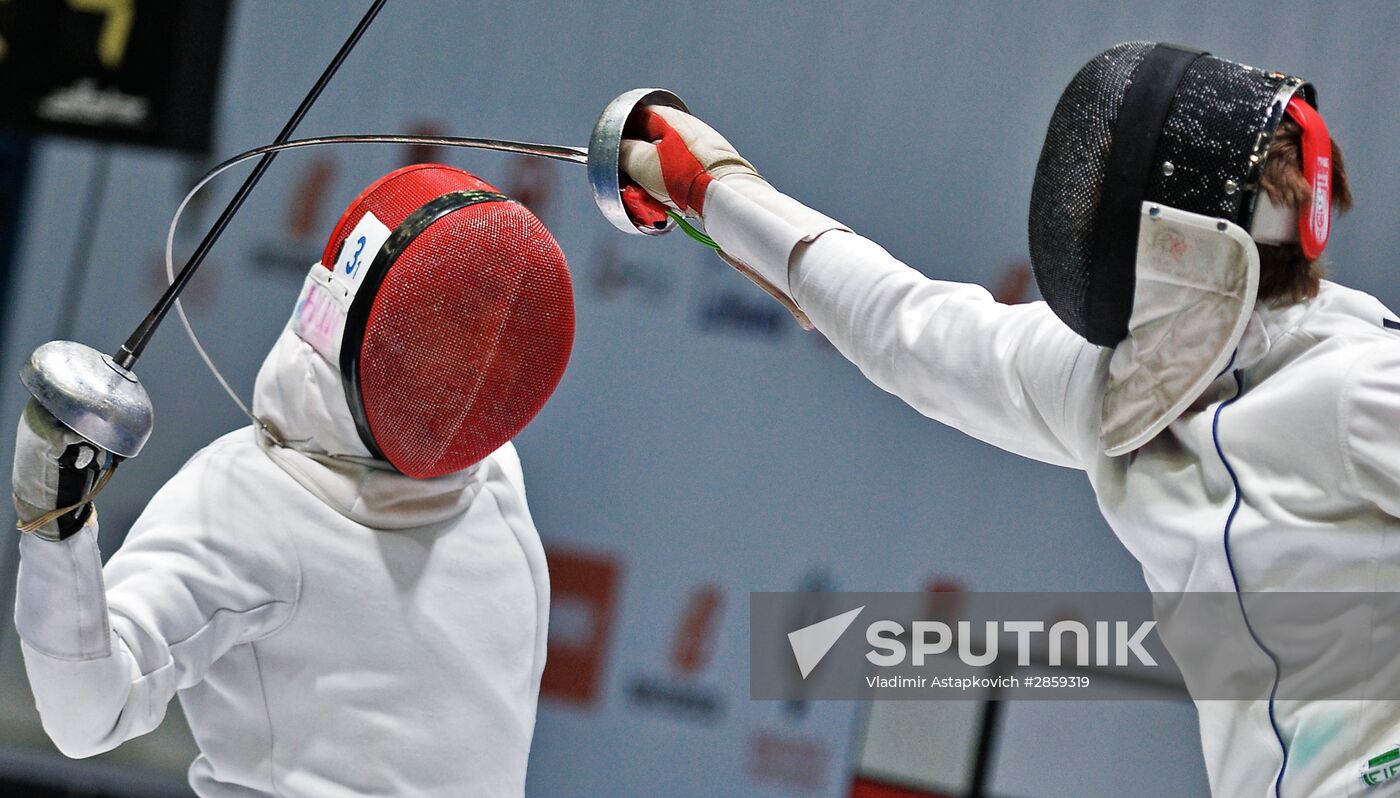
(357, 602)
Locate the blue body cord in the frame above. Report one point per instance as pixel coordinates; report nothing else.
(1234, 577)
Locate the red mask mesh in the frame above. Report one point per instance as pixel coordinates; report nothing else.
(394, 196)
(470, 331)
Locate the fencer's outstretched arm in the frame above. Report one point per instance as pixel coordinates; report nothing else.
(106, 651)
(1013, 376)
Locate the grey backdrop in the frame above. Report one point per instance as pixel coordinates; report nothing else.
(699, 437)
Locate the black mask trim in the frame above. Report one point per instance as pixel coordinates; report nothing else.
(1146, 105)
(352, 342)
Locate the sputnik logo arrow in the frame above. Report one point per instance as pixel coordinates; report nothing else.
(811, 643)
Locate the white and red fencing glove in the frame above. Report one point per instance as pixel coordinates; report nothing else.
(689, 167)
(679, 159)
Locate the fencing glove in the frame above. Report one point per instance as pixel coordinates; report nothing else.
(685, 164)
(54, 468)
(679, 157)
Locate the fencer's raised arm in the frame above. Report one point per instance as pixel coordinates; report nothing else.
(105, 652)
(1013, 376)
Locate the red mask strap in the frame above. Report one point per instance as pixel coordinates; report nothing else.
(1315, 223)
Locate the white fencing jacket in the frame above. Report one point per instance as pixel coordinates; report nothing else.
(1302, 433)
(332, 628)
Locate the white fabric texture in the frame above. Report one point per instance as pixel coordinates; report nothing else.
(322, 308)
(332, 627)
(40, 442)
(759, 227)
(299, 397)
(1317, 505)
(1196, 281)
(762, 224)
(1273, 224)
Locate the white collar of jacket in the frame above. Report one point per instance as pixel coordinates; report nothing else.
(1197, 280)
(299, 396)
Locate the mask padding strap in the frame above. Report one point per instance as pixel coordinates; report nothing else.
(1146, 106)
(1315, 222)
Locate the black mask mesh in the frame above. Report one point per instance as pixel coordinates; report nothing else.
(1221, 114)
(1069, 177)
(1219, 111)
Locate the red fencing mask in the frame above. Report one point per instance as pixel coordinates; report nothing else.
(449, 309)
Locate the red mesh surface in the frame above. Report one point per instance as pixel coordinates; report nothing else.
(469, 333)
(396, 195)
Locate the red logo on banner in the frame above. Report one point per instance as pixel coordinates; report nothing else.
(945, 597)
(199, 294)
(423, 153)
(694, 642)
(870, 788)
(307, 200)
(583, 591)
(531, 183)
(1014, 287)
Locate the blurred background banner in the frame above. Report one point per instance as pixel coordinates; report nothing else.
(15, 150)
(138, 71)
(701, 446)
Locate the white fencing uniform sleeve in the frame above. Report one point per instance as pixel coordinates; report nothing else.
(760, 226)
(1369, 416)
(104, 660)
(1011, 375)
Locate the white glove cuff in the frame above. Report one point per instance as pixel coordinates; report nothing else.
(759, 226)
(61, 603)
